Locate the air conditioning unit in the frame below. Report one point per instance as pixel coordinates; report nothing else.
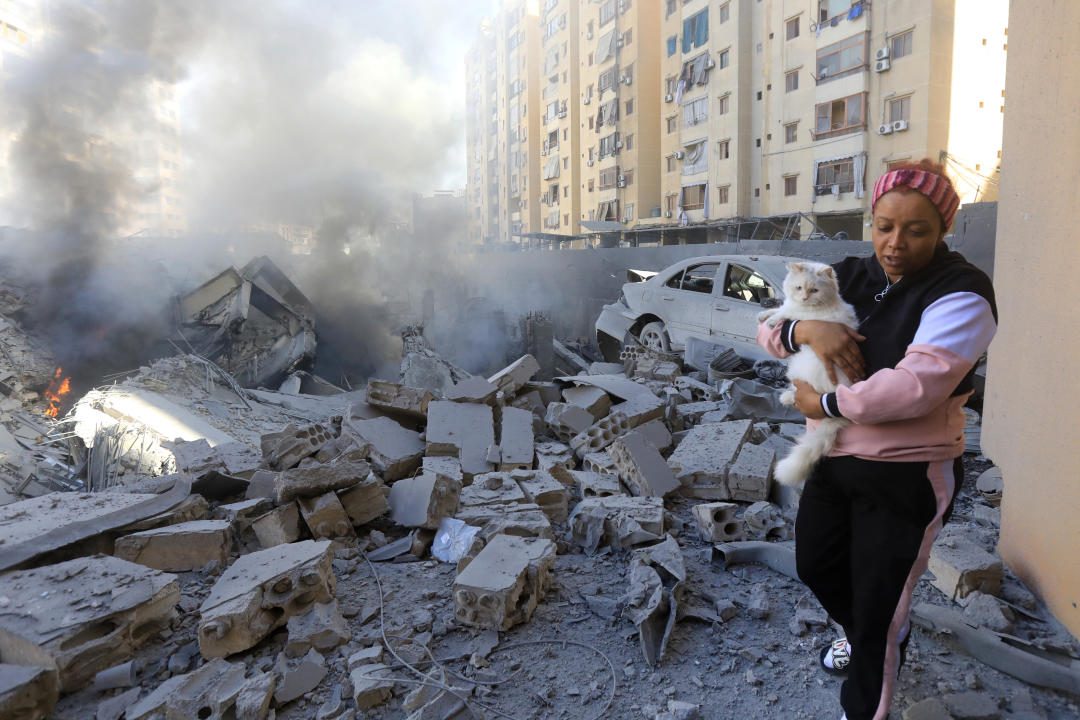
(899, 125)
(881, 65)
(590, 163)
(562, 113)
(619, 42)
(621, 178)
(885, 129)
(882, 54)
(621, 6)
(588, 35)
(679, 154)
(618, 144)
(710, 64)
(667, 213)
(627, 80)
(544, 152)
(620, 183)
(669, 98)
(587, 100)
(624, 220)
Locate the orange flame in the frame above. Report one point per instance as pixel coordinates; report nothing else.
(56, 391)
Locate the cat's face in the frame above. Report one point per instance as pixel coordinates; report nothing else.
(810, 284)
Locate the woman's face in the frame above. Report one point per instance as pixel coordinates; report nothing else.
(907, 227)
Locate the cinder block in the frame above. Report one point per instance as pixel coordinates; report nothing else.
(365, 501)
(566, 420)
(322, 627)
(704, 456)
(212, 691)
(750, 476)
(699, 391)
(620, 521)
(179, 548)
(325, 517)
(395, 397)
(550, 456)
(27, 692)
(764, 520)
(317, 480)
(545, 491)
(641, 409)
(284, 450)
(641, 466)
(503, 584)
(423, 501)
(717, 522)
(515, 439)
(447, 467)
(592, 484)
(279, 526)
(511, 378)
(593, 399)
(394, 451)
(600, 434)
(259, 593)
(653, 368)
(472, 390)
(461, 430)
(84, 615)
(491, 489)
(519, 519)
(964, 568)
(688, 414)
(599, 462)
(657, 433)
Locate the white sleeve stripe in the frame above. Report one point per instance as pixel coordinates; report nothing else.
(960, 322)
(791, 335)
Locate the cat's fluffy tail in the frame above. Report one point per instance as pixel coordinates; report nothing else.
(810, 448)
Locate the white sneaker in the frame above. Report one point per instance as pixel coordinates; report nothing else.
(836, 656)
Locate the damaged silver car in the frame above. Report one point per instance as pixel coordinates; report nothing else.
(716, 298)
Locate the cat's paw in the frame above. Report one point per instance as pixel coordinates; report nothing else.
(788, 397)
(765, 315)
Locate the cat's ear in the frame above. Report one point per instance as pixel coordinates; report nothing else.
(828, 272)
(794, 267)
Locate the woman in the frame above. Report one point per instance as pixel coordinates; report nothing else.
(871, 510)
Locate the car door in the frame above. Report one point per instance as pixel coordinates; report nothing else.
(686, 302)
(736, 304)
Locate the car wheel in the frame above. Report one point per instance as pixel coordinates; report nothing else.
(655, 337)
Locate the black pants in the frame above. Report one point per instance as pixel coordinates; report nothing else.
(863, 537)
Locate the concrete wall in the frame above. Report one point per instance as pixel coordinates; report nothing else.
(1033, 395)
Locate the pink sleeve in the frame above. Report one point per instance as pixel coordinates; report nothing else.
(769, 338)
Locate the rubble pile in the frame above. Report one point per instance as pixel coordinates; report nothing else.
(254, 553)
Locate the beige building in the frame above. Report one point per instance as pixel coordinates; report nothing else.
(19, 25)
(560, 172)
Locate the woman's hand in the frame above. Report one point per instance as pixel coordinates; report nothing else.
(835, 344)
(808, 400)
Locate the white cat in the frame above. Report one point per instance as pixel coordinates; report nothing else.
(810, 293)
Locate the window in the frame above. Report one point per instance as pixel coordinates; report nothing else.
(671, 84)
(700, 278)
(722, 194)
(629, 178)
(608, 177)
(723, 59)
(695, 31)
(607, 80)
(900, 109)
(791, 133)
(630, 107)
(838, 173)
(791, 28)
(843, 57)
(791, 185)
(672, 6)
(672, 163)
(742, 283)
(630, 142)
(696, 159)
(672, 124)
(725, 12)
(723, 147)
(609, 145)
(693, 198)
(695, 112)
(607, 12)
(590, 184)
(900, 45)
(722, 105)
(828, 9)
(628, 37)
(672, 45)
(791, 81)
(629, 206)
(671, 202)
(840, 116)
(893, 164)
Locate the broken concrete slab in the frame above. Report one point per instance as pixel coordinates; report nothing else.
(492, 488)
(545, 491)
(279, 526)
(750, 476)
(654, 368)
(665, 556)
(617, 385)
(179, 548)
(688, 414)
(657, 433)
(298, 677)
(209, 692)
(971, 706)
(397, 398)
(520, 519)
(84, 615)
(365, 501)
(194, 507)
(927, 709)
(641, 409)
(987, 611)
(962, 567)
(325, 517)
(311, 480)
(241, 513)
(600, 434)
(423, 501)
(448, 467)
(619, 521)
(27, 691)
(764, 520)
(703, 457)
(593, 399)
(394, 451)
(511, 378)
(503, 584)
(473, 390)
(515, 439)
(322, 628)
(717, 522)
(285, 449)
(565, 420)
(641, 466)
(260, 592)
(461, 430)
(373, 684)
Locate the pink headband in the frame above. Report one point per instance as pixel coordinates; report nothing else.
(935, 188)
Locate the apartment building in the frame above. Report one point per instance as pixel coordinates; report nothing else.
(561, 143)
(482, 137)
(161, 207)
(18, 27)
(704, 120)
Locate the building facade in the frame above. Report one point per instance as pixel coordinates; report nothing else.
(703, 120)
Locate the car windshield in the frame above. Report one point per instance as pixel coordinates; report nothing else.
(744, 284)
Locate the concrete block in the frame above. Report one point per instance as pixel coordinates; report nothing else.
(598, 462)
(240, 514)
(298, 677)
(279, 526)
(963, 568)
(691, 413)
(367, 656)
(317, 480)
(764, 520)
(373, 685)
(519, 519)
(657, 433)
(566, 420)
(325, 517)
(193, 507)
(750, 476)
(549, 391)
(515, 439)
(704, 455)
(699, 391)
(461, 430)
(365, 501)
(605, 368)
(530, 401)
(423, 501)
(472, 390)
(641, 466)
(987, 611)
(593, 399)
(397, 398)
(617, 520)
(284, 450)
(503, 584)
(322, 628)
(27, 692)
(592, 484)
(600, 434)
(259, 593)
(641, 409)
(179, 548)
(84, 615)
(511, 378)
(211, 692)
(491, 489)
(256, 695)
(654, 368)
(394, 451)
(717, 522)
(545, 491)
(553, 455)
(715, 416)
